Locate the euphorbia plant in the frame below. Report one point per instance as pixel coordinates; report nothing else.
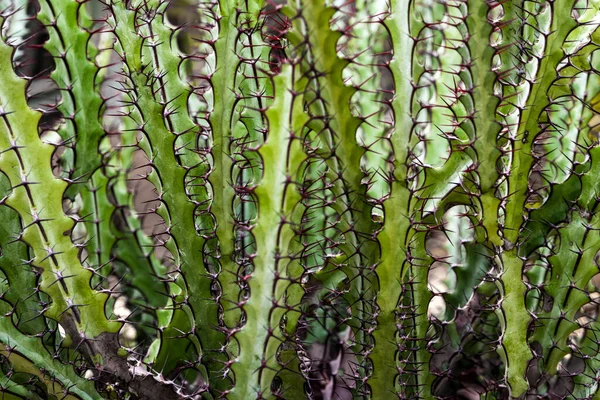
(299, 199)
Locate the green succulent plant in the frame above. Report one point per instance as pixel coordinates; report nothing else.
(293, 199)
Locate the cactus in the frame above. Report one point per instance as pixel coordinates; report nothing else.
(285, 199)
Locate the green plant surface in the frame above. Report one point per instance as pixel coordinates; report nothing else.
(28, 355)
(53, 251)
(290, 199)
(171, 181)
(277, 199)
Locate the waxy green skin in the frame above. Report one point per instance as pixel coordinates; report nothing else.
(185, 245)
(76, 75)
(402, 240)
(516, 317)
(223, 85)
(277, 198)
(336, 96)
(21, 280)
(393, 237)
(25, 160)
(473, 89)
(30, 354)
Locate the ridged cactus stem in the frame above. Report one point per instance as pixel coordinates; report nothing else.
(224, 100)
(335, 93)
(75, 74)
(515, 322)
(360, 246)
(393, 246)
(416, 336)
(529, 128)
(392, 239)
(28, 352)
(515, 313)
(398, 23)
(162, 125)
(486, 128)
(261, 336)
(26, 162)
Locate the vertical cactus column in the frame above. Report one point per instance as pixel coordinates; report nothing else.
(397, 224)
(275, 283)
(546, 33)
(153, 87)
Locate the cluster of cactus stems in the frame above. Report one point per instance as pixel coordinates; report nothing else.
(319, 199)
